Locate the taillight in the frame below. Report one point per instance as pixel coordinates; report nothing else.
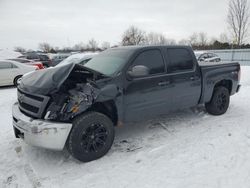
(239, 74)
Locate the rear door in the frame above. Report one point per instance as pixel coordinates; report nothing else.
(7, 72)
(148, 96)
(185, 77)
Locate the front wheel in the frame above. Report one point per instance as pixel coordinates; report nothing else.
(219, 103)
(91, 137)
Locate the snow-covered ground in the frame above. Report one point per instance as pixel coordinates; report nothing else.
(185, 149)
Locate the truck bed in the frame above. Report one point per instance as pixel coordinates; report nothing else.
(213, 72)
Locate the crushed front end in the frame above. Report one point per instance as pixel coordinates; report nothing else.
(49, 100)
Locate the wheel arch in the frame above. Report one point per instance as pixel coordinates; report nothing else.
(16, 77)
(209, 89)
(225, 83)
(107, 108)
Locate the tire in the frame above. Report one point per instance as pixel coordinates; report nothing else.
(219, 102)
(91, 137)
(16, 79)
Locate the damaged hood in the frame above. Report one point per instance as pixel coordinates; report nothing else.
(47, 80)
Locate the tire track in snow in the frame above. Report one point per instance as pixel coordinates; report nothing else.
(28, 170)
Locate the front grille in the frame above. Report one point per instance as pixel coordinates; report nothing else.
(32, 104)
(28, 107)
(31, 96)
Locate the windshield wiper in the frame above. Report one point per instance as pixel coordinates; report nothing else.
(96, 72)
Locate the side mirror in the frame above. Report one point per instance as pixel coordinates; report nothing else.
(138, 71)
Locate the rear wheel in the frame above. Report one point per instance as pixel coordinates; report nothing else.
(91, 137)
(17, 80)
(219, 102)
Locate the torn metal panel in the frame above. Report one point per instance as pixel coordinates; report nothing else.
(51, 80)
(47, 80)
(77, 101)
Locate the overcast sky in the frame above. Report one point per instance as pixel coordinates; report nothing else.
(67, 22)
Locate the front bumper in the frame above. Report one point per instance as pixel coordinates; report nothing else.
(40, 133)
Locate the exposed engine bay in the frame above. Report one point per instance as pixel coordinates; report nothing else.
(66, 106)
(76, 94)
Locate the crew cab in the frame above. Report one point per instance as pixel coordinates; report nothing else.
(77, 106)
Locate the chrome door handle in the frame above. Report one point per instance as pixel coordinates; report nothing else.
(164, 83)
(194, 78)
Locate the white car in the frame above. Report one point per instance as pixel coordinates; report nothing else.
(206, 57)
(12, 71)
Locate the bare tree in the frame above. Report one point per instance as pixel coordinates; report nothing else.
(133, 36)
(57, 48)
(92, 45)
(193, 39)
(79, 47)
(19, 49)
(184, 42)
(202, 38)
(45, 47)
(238, 20)
(224, 38)
(155, 39)
(158, 39)
(105, 45)
(212, 40)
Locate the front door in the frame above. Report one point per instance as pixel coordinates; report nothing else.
(148, 96)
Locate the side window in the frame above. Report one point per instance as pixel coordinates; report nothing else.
(32, 56)
(206, 56)
(13, 66)
(179, 60)
(151, 59)
(5, 65)
(29, 57)
(202, 56)
(43, 57)
(212, 55)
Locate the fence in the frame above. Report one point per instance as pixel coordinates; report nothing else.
(240, 55)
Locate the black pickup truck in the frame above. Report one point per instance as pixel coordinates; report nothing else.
(77, 106)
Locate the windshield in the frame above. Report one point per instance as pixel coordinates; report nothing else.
(70, 59)
(80, 58)
(109, 62)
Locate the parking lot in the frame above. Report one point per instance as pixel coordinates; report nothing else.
(186, 149)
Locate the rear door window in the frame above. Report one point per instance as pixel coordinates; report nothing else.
(151, 59)
(179, 60)
(5, 65)
(212, 55)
